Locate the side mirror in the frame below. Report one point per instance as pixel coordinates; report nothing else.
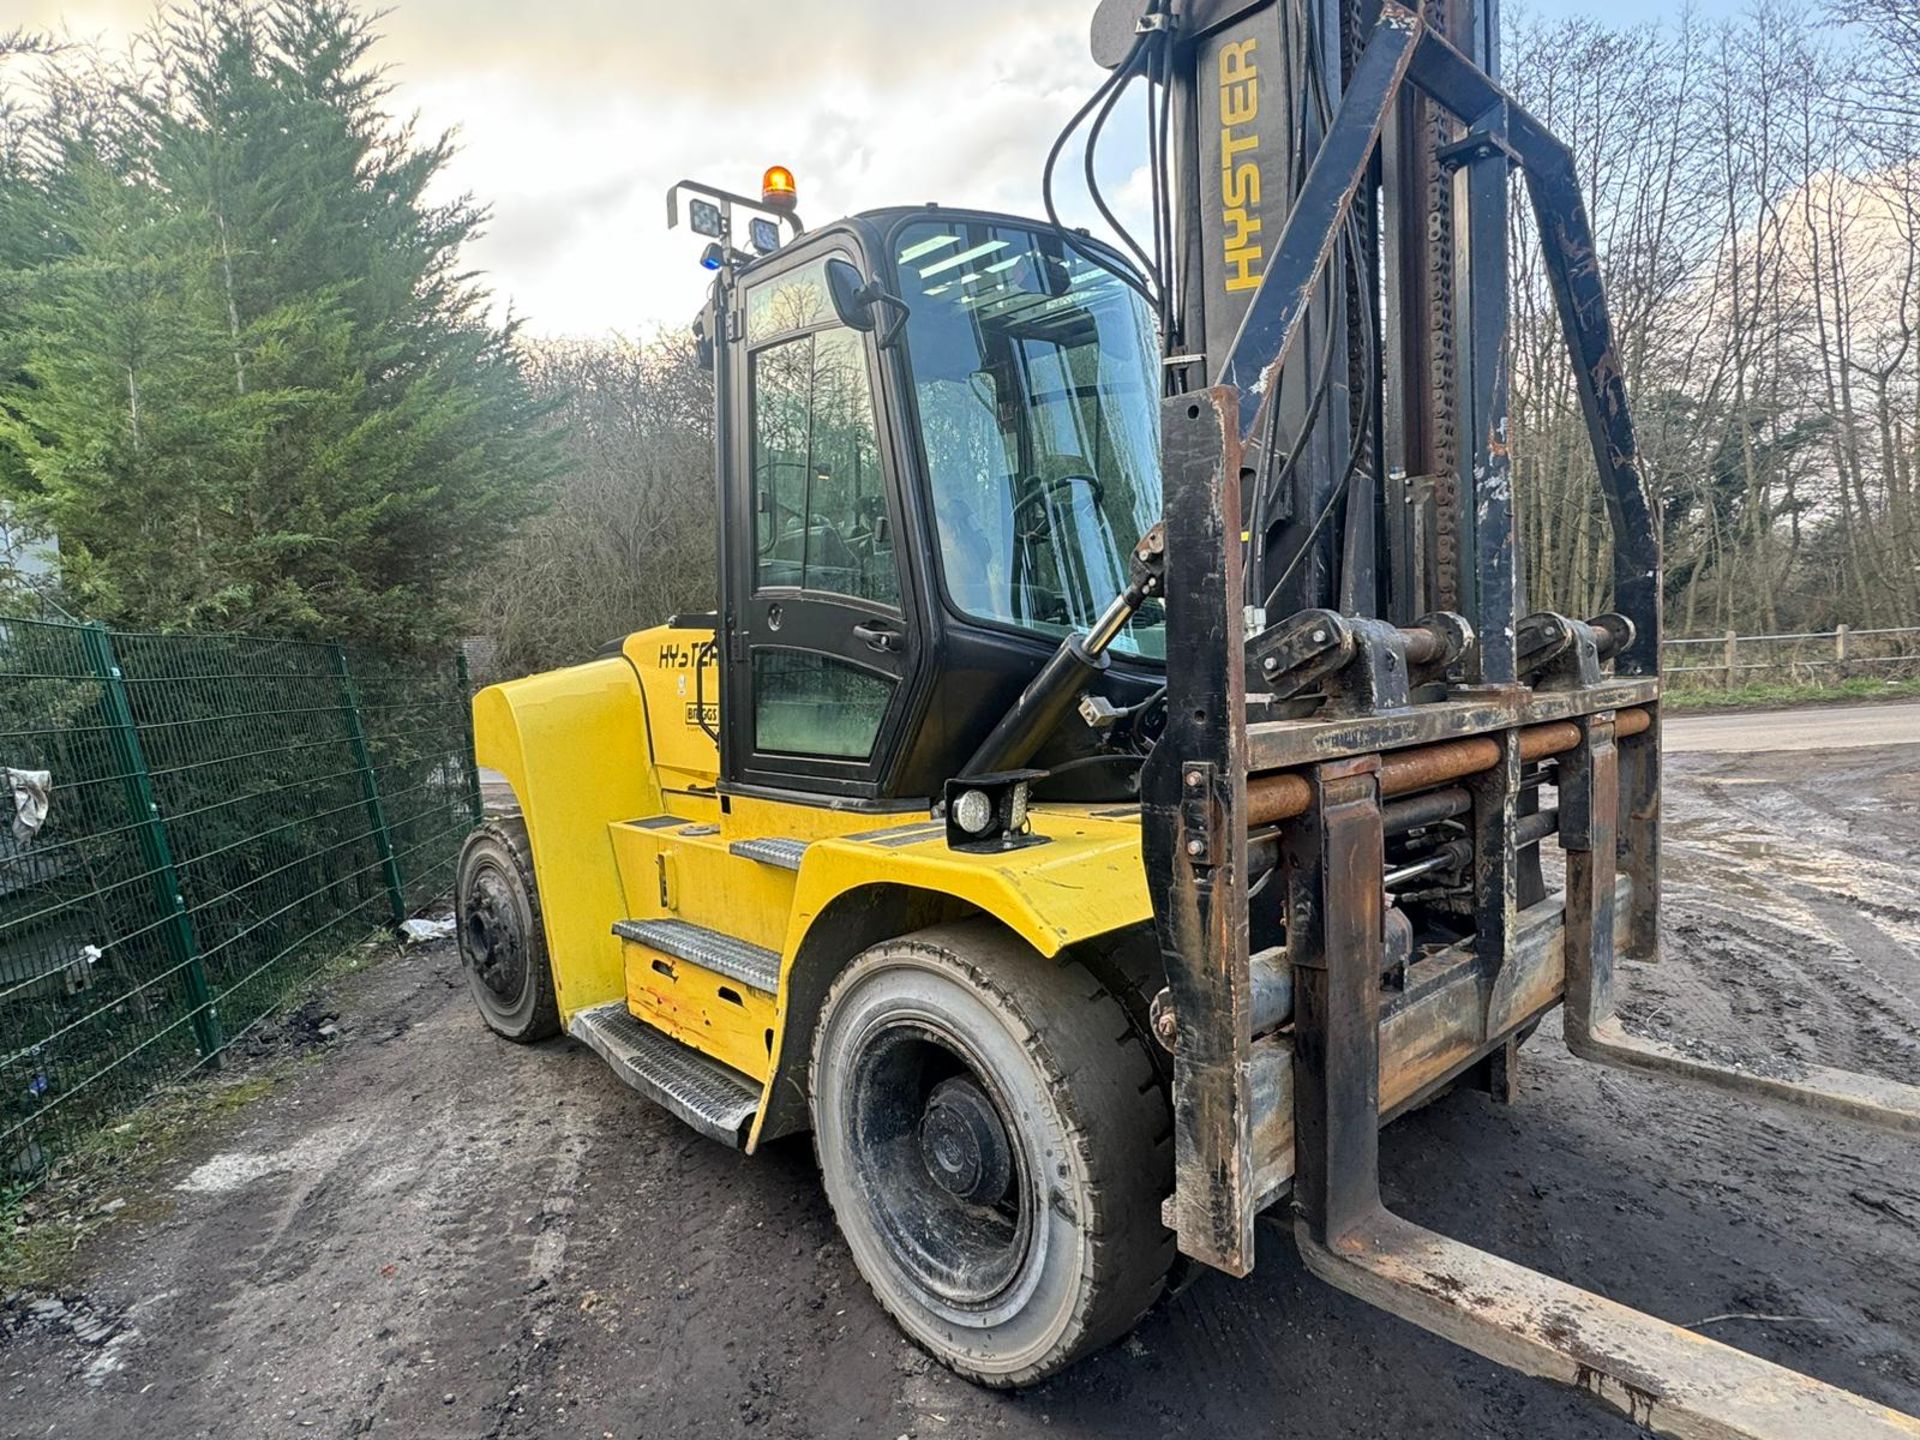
(857, 302)
(1055, 276)
(846, 288)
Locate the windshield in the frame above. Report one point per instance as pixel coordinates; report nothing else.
(1034, 370)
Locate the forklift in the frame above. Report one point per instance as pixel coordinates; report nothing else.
(1122, 772)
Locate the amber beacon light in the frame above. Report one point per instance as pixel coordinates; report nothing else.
(777, 191)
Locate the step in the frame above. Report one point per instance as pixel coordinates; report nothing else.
(750, 964)
(718, 1102)
(786, 854)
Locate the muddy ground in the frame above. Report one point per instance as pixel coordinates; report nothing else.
(431, 1233)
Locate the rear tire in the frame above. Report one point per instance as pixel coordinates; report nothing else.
(503, 941)
(996, 1146)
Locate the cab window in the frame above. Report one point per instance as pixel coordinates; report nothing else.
(821, 509)
(809, 704)
(1036, 380)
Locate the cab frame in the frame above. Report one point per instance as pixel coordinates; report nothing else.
(954, 674)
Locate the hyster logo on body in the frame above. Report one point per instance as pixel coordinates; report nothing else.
(1239, 180)
(679, 655)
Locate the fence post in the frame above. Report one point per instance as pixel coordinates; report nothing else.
(156, 851)
(1840, 649)
(473, 761)
(1732, 640)
(370, 787)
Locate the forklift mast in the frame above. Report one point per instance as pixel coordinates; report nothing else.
(1340, 556)
(1390, 391)
(1347, 625)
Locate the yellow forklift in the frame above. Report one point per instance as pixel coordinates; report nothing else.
(1120, 771)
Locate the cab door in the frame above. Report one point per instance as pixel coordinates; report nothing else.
(819, 648)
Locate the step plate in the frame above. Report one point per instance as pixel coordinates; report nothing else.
(713, 1099)
(786, 854)
(737, 959)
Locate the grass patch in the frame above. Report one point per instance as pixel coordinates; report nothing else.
(1765, 694)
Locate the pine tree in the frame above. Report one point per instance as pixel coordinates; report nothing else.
(257, 390)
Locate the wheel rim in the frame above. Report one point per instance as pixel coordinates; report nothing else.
(945, 1175)
(495, 942)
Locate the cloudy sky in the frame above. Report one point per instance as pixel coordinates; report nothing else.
(574, 116)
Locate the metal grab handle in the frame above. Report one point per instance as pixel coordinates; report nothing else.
(700, 693)
(878, 635)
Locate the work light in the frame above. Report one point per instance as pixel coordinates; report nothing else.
(989, 812)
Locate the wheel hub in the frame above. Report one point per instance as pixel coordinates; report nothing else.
(963, 1143)
(941, 1165)
(493, 935)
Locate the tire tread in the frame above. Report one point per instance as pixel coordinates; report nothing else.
(510, 832)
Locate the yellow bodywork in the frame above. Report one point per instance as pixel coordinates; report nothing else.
(616, 779)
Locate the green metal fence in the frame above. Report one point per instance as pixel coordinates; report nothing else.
(219, 815)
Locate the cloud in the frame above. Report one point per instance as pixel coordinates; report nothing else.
(576, 173)
(775, 48)
(573, 119)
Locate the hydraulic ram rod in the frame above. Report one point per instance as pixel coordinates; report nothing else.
(1273, 798)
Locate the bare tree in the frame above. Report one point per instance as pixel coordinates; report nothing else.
(628, 536)
(1755, 189)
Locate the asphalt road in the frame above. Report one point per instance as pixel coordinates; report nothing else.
(1831, 727)
(431, 1233)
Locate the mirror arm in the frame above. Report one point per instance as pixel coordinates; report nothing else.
(889, 329)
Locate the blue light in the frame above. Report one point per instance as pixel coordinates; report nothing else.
(713, 257)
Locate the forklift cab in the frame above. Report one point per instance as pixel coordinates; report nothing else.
(937, 442)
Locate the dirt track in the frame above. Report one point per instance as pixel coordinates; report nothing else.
(433, 1234)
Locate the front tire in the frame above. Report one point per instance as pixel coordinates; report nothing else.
(996, 1146)
(503, 941)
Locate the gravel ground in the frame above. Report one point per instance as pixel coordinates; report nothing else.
(435, 1234)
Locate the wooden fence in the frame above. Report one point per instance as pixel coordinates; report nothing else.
(1806, 657)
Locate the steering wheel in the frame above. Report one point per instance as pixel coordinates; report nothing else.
(1041, 491)
(827, 543)
(1038, 602)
